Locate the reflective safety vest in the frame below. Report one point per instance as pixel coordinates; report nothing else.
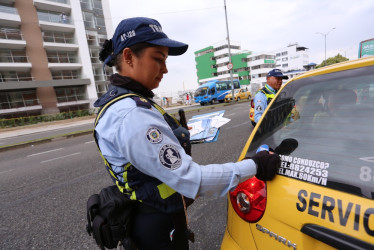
(137, 185)
(267, 92)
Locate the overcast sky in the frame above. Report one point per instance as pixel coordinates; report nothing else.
(259, 25)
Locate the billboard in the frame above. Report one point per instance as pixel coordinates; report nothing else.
(366, 48)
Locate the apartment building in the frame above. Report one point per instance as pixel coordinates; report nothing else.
(292, 60)
(212, 61)
(49, 55)
(259, 64)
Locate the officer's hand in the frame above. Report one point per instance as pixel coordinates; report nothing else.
(267, 165)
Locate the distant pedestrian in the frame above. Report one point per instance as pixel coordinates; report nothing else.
(188, 99)
(164, 101)
(63, 17)
(167, 102)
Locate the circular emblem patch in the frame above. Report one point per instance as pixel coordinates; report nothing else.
(170, 157)
(154, 135)
(259, 108)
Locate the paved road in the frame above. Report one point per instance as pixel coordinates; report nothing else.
(48, 131)
(44, 188)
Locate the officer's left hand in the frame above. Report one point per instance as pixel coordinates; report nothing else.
(267, 165)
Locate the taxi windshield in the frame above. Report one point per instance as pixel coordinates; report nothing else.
(322, 128)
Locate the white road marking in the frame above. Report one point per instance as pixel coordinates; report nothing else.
(45, 152)
(230, 114)
(6, 171)
(238, 125)
(89, 142)
(60, 157)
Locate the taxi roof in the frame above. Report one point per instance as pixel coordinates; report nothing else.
(346, 65)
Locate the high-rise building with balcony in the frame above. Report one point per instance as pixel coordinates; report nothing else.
(49, 55)
(260, 64)
(292, 60)
(212, 61)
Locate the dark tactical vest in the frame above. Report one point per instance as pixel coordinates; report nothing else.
(137, 185)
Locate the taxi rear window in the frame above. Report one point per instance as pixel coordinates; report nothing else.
(322, 128)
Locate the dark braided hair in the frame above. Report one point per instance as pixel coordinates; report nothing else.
(107, 50)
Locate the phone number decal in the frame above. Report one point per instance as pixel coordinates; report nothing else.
(304, 169)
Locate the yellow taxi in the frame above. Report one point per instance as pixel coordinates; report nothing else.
(239, 94)
(252, 113)
(323, 194)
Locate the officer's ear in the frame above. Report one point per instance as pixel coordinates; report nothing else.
(127, 56)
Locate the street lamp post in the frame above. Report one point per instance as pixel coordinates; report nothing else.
(228, 41)
(325, 35)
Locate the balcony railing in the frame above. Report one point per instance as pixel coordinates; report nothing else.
(14, 59)
(53, 18)
(15, 78)
(62, 59)
(8, 9)
(65, 77)
(59, 1)
(71, 98)
(54, 39)
(101, 77)
(10, 34)
(19, 104)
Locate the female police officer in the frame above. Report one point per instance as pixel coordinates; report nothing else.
(142, 145)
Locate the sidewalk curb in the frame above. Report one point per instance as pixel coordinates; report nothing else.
(84, 132)
(45, 139)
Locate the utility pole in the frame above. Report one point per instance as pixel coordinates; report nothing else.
(325, 35)
(228, 42)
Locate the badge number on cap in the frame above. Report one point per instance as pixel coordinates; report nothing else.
(170, 157)
(127, 34)
(154, 135)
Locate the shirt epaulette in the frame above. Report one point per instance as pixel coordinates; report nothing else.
(141, 102)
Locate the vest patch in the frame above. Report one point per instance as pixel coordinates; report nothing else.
(170, 157)
(154, 135)
(259, 108)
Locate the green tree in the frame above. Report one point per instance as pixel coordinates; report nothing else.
(332, 60)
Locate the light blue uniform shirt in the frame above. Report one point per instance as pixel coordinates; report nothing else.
(260, 103)
(127, 133)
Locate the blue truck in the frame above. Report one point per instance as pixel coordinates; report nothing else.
(214, 91)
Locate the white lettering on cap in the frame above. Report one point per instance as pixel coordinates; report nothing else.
(155, 28)
(127, 34)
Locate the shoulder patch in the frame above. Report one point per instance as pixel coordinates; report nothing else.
(154, 135)
(141, 102)
(259, 108)
(170, 157)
